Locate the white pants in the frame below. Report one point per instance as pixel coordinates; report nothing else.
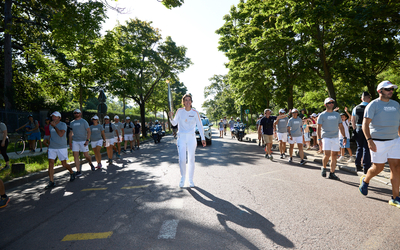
(186, 142)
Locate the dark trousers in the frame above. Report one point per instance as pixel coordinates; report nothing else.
(3, 151)
(362, 150)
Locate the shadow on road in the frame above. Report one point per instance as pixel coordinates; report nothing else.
(244, 217)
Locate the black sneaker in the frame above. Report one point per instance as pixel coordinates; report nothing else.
(281, 156)
(72, 176)
(92, 167)
(302, 162)
(109, 162)
(78, 174)
(290, 159)
(266, 156)
(271, 157)
(50, 185)
(333, 177)
(259, 143)
(323, 172)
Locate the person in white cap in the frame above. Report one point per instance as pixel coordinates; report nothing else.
(294, 128)
(231, 125)
(58, 147)
(221, 128)
(97, 138)
(329, 125)
(79, 138)
(136, 133)
(118, 135)
(109, 129)
(381, 126)
(187, 119)
(129, 130)
(282, 131)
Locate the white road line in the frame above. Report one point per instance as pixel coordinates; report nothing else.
(168, 230)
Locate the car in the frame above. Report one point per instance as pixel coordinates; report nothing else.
(207, 131)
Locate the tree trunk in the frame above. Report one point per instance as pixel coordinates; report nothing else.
(8, 86)
(290, 96)
(143, 118)
(327, 74)
(80, 97)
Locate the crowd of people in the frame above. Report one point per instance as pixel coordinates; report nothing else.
(376, 130)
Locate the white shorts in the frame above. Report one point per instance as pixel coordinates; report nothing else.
(314, 133)
(78, 146)
(307, 137)
(128, 137)
(282, 137)
(109, 142)
(116, 139)
(297, 139)
(221, 129)
(331, 144)
(386, 150)
(62, 154)
(97, 143)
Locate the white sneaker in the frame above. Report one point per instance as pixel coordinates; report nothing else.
(191, 184)
(351, 159)
(182, 183)
(341, 158)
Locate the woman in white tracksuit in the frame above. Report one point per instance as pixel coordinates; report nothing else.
(187, 118)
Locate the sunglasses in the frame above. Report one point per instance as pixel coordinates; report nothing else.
(389, 89)
(295, 112)
(76, 113)
(330, 103)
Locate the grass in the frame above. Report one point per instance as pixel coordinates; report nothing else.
(40, 162)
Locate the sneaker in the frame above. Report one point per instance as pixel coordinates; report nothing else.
(302, 162)
(138, 148)
(341, 158)
(290, 159)
(5, 168)
(98, 166)
(182, 183)
(259, 143)
(123, 150)
(363, 188)
(41, 150)
(351, 159)
(271, 157)
(323, 172)
(50, 185)
(394, 202)
(4, 201)
(78, 174)
(281, 156)
(109, 162)
(284, 155)
(92, 167)
(118, 156)
(333, 177)
(191, 184)
(72, 176)
(266, 156)
(131, 150)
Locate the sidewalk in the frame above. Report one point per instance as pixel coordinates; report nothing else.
(313, 156)
(13, 155)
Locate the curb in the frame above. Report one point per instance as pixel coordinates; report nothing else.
(44, 173)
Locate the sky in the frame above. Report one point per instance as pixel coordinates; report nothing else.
(192, 25)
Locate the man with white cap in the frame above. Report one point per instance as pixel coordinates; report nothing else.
(129, 130)
(381, 127)
(118, 138)
(294, 128)
(282, 130)
(329, 124)
(58, 147)
(79, 138)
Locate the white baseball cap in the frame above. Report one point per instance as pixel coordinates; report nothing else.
(56, 113)
(314, 115)
(116, 117)
(282, 111)
(127, 118)
(95, 117)
(77, 111)
(265, 110)
(385, 84)
(294, 110)
(328, 100)
(107, 117)
(261, 116)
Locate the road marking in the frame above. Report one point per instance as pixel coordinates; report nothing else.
(168, 230)
(93, 189)
(268, 172)
(132, 187)
(87, 236)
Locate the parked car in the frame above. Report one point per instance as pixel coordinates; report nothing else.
(207, 131)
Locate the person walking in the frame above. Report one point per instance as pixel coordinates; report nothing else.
(231, 127)
(109, 129)
(294, 128)
(46, 129)
(225, 121)
(381, 127)
(281, 125)
(129, 130)
(314, 130)
(32, 126)
(58, 147)
(221, 129)
(137, 133)
(97, 138)
(363, 151)
(346, 125)
(118, 136)
(329, 124)
(79, 138)
(187, 119)
(3, 146)
(306, 132)
(267, 128)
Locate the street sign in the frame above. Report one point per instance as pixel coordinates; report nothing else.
(247, 111)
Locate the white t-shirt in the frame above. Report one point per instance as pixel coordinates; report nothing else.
(187, 121)
(346, 130)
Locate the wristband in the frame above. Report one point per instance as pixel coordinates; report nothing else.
(369, 139)
(319, 139)
(344, 137)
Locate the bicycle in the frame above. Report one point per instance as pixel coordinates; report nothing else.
(20, 144)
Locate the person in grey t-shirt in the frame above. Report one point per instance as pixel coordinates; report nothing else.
(109, 129)
(79, 138)
(97, 138)
(294, 128)
(58, 147)
(129, 129)
(381, 127)
(118, 135)
(281, 131)
(329, 124)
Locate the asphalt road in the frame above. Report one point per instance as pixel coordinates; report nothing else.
(242, 201)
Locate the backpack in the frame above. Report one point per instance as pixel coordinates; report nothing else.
(104, 126)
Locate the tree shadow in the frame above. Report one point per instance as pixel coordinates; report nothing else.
(244, 217)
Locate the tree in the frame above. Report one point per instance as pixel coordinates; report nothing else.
(143, 60)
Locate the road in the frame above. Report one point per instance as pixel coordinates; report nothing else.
(241, 201)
